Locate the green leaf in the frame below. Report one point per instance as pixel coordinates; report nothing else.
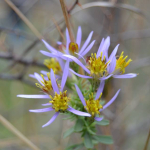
(88, 140)
(104, 139)
(79, 125)
(68, 132)
(103, 122)
(75, 147)
(91, 131)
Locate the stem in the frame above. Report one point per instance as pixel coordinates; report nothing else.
(65, 13)
(147, 141)
(10, 127)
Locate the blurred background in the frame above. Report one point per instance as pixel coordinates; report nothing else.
(127, 22)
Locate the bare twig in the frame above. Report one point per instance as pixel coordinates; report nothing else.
(10, 127)
(65, 13)
(110, 5)
(18, 33)
(27, 22)
(147, 141)
(21, 61)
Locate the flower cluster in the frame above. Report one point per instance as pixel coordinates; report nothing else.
(68, 66)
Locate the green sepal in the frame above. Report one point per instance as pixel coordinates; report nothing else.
(88, 140)
(68, 132)
(75, 147)
(103, 139)
(79, 125)
(103, 122)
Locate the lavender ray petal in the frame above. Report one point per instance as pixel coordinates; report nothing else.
(59, 43)
(111, 101)
(105, 47)
(123, 76)
(65, 75)
(113, 54)
(100, 89)
(78, 62)
(80, 95)
(77, 112)
(39, 78)
(44, 72)
(61, 63)
(112, 65)
(88, 48)
(49, 47)
(104, 78)
(53, 81)
(100, 48)
(41, 110)
(98, 118)
(86, 42)
(79, 36)
(79, 75)
(33, 96)
(47, 104)
(32, 76)
(51, 120)
(48, 54)
(67, 41)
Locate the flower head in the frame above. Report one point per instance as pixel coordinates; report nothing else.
(59, 100)
(52, 64)
(100, 66)
(92, 105)
(71, 48)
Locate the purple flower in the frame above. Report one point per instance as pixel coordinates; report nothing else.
(71, 48)
(92, 105)
(101, 67)
(59, 100)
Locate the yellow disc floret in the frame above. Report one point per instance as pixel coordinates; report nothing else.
(60, 101)
(121, 63)
(93, 106)
(97, 66)
(73, 48)
(47, 85)
(52, 64)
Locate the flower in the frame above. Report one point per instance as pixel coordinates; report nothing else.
(92, 105)
(71, 48)
(59, 99)
(101, 67)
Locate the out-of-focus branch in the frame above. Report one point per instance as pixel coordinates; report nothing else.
(10, 127)
(8, 56)
(26, 21)
(18, 33)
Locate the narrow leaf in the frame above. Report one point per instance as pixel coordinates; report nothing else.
(75, 146)
(79, 125)
(88, 140)
(104, 139)
(68, 132)
(103, 122)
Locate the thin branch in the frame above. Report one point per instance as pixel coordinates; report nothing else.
(10, 127)
(21, 61)
(65, 13)
(17, 33)
(27, 22)
(109, 5)
(147, 141)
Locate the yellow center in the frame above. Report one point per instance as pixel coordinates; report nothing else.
(60, 101)
(121, 63)
(47, 87)
(52, 64)
(73, 48)
(93, 106)
(97, 66)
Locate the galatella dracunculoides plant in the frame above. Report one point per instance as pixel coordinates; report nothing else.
(82, 101)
